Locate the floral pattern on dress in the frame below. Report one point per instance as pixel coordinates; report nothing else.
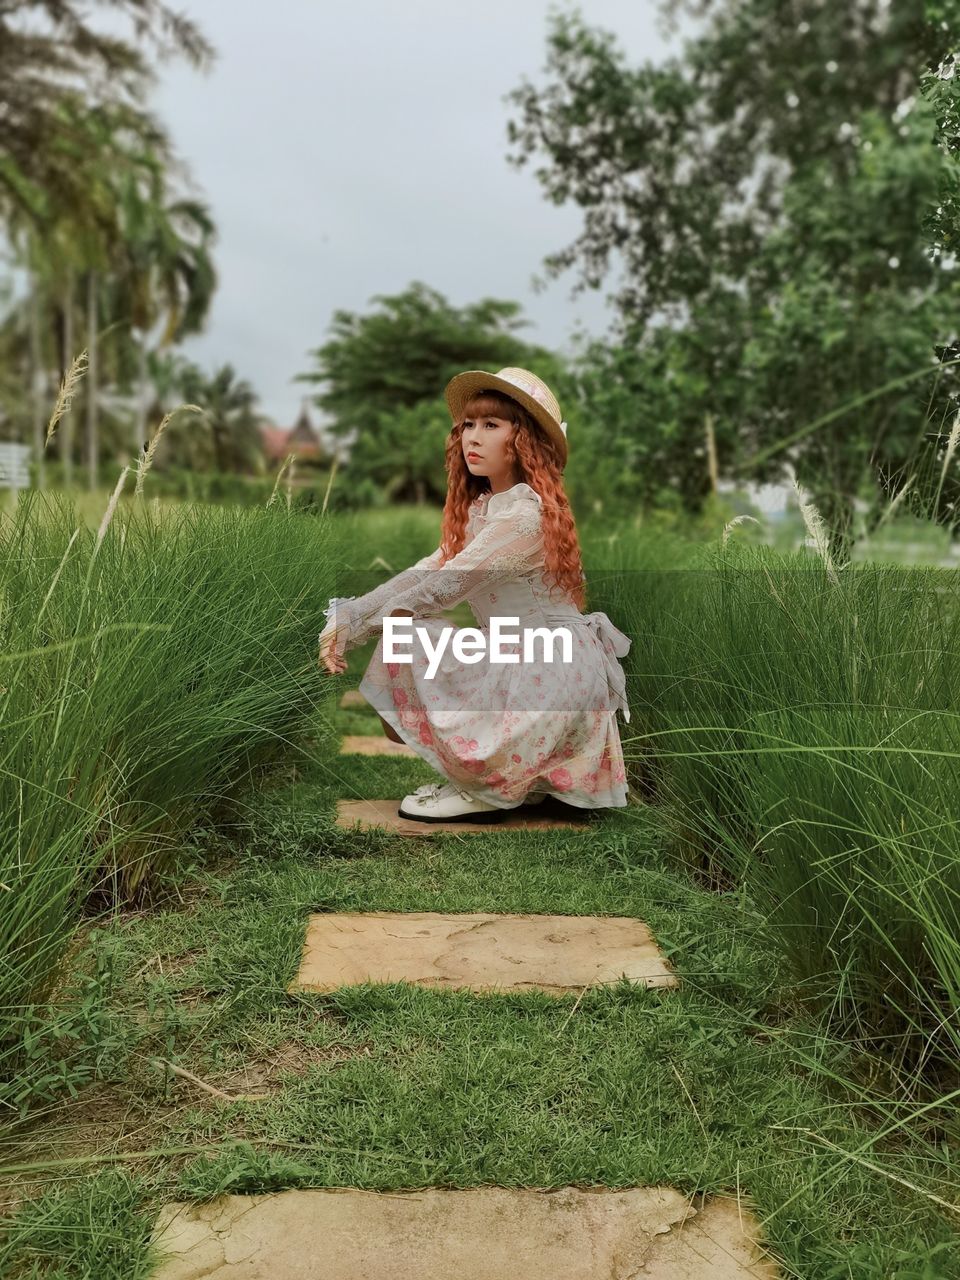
(503, 731)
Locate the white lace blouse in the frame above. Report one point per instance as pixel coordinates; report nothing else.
(500, 570)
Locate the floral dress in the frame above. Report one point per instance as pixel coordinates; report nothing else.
(503, 731)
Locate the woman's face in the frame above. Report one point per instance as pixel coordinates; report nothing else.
(484, 445)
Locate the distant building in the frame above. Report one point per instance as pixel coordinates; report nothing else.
(302, 439)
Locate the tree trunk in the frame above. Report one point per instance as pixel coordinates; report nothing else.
(66, 422)
(38, 381)
(140, 420)
(712, 455)
(218, 432)
(92, 388)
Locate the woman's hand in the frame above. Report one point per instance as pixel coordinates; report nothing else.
(332, 647)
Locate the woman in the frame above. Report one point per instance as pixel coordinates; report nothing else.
(503, 733)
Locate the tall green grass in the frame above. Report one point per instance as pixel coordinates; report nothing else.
(147, 669)
(387, 539)
(802, 732)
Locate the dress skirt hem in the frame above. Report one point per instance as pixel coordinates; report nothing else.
(379, 697)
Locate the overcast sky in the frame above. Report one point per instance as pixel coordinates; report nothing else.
(347, 150)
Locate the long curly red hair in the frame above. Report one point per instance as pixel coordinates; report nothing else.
(538, 464)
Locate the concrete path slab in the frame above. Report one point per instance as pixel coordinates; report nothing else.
(353, 698)
(478, 951)
(482, 1233)
(366, 814)
(356, 744)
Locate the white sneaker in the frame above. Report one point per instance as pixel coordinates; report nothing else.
(444, 802)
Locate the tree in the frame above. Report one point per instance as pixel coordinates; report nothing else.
(940, 86)
(167, 272)
(70, 103)
(50, 52)
(77, 236)
(637, 426)
(115, 139)
(47, 229)
(114, 249)
(230, 417)
(383, 376)
(763, 190)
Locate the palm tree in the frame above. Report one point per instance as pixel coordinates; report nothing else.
(53, 208)
(68, 237)
(79, 236)
(168, 268)
(64, 89)
(120, 137)
(230, 406)
(28, 245)
(39, 68)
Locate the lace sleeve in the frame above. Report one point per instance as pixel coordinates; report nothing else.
(509, 542)
(348, 611)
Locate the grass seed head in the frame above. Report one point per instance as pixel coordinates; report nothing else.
(111, 507)
(276, 484)
(733, 523)
(952, 441)
(146, 461)
(68, 389)
(817, 529)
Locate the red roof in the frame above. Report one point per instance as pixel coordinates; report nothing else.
(277, 444)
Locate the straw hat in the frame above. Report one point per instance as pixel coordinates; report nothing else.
(520, 384)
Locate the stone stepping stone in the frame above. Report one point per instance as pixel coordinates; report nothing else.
(478, 951)
(353, 698)
(481, 1233)
(367, 814)
(356, 744)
